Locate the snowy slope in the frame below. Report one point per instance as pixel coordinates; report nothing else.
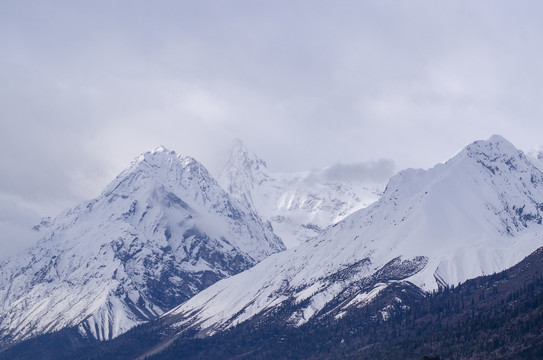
(298, 205)
(478, 213)
(162, 231)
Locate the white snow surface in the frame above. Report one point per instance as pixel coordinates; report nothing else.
(476, 214)
(299, 205)
(163, 227)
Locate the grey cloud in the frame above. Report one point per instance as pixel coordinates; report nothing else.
(16, 237)
(371, 171)
(16, 222)
(87, 86)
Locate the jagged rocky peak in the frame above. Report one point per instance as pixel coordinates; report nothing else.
(164, 169)
(243, 174)
(516, 179)
(157, 156)
(162, 149)
(164, 160)
(496, 155)
(496, 150)
(243, 171)
(241, 155)
(161, 161)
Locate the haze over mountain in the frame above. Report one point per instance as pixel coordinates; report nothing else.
(299, 205)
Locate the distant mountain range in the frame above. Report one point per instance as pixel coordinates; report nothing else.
(164, 232)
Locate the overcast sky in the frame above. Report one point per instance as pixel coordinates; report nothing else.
(86, 86)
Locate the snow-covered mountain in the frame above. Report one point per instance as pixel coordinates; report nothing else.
(299, 205)
(478, 213)
(162, 231)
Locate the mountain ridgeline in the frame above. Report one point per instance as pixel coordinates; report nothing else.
(197, 272)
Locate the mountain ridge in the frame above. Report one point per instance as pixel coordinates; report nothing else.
(477, 214)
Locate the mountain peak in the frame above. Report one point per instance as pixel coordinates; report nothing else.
(161, 149)
(495, 146)
(495, 155)
(157, 156)
(159, 233)
(243, 170)
(241, 155)
(162, 157)
(159, 168)
(497, 138)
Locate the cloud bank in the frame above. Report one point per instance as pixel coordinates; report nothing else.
(85, 87)
(378, 171)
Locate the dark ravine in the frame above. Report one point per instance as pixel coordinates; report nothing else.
(491, 317)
